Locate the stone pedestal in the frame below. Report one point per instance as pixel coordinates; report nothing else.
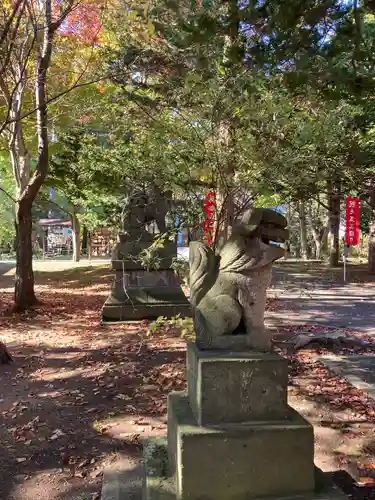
(138, 293)
(233, 435)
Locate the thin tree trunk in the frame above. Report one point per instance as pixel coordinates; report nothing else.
(324, 240)
(76, 236)
(89, 244)
(28, 189)
(334, 222)
(317, 240)
(303, 229)
(227, 135)
(371, 238)
(317, 235)
(24, 295)
(84, 239)
(40, 29)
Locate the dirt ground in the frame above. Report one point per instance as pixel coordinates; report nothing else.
(80, 394)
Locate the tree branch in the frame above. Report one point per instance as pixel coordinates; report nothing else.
(9, 21)
(7, 194)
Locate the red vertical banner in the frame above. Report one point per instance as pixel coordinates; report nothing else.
(209, 221)
(352, 220)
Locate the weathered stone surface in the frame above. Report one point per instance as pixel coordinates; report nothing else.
(228, 290)
(228, 387)
(157, 484)
(234, 343)
(114, 314)
(144, 290)
(159, 487)
(145, 295)
(126, 253)
(238, 462)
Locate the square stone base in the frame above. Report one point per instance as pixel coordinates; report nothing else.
(135, 312)
(228, 387)
(238, 461)
(158, 486)
(140, 294)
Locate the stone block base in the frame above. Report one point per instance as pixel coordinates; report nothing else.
(118, 313)
(238, 461)
(140, 294)
(157, 486)
(229, 387)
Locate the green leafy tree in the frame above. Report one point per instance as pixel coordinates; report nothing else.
(93, 193)
(7, 214)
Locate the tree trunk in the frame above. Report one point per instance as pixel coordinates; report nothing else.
(76, 236)
(334, 222)
(84, 239)
(24, 295)
(316, 233)
(89, 244)
(227, 131)
(303, 228)
(371, 238)
(38, 42)
(324, 240)
(224, 212)
(317, 239)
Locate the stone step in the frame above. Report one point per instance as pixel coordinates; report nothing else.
(238, 461)
(123, 480)
(159, 487)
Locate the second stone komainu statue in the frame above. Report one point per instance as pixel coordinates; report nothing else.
(228, 289)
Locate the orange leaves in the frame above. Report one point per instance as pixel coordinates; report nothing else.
(83, 23)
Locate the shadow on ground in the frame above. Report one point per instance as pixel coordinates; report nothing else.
(76, 388)
(75, 391)
(74, 278)
(320, 272)
(351, 312)
(86, 391)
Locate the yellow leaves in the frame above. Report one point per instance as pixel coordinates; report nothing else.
(6, 5)
(151, 28)
(369, 18)
(204, 178)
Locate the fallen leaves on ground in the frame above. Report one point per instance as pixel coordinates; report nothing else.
(69, 377)
(79, 392)
(349, 410)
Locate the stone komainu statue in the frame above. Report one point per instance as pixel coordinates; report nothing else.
(228, 290)
(145, 205)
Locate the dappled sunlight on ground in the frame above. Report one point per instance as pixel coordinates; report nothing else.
(71, 384)
(90, 393)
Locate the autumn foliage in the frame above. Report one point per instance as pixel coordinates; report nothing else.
(83, 23)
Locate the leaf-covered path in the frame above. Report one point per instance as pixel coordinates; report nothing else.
(77, 392)
(81, 395)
